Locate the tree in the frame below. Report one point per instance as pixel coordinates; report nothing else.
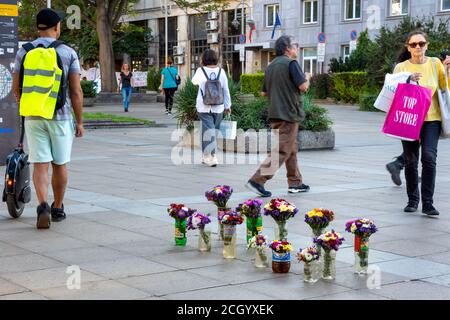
(203, 5)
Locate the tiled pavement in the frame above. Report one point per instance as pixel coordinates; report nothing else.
(119, 234)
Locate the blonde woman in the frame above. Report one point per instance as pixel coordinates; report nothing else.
(126, 85)
(413, 59)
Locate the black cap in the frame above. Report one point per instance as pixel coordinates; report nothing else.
(48, 18)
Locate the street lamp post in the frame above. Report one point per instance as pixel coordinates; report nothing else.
(166, 10)
(49, 3)
(236, 24)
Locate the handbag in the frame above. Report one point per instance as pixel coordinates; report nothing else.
(177, 79)
(384, 99)
(444, 103)
(228, 128)
(408, 111)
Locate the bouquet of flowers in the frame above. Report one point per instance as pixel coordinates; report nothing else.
(199, 221)
(362, 229)
(280, 246)
(329, 242)
(231, 218)
(259, 242)
(219, 195)
(252, 210)
(308, 255)
(280, 210)
(318, 219)
(180, 213)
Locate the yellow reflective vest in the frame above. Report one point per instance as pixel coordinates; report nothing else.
(41, 83)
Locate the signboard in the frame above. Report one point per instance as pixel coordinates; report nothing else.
(353, 45)
(321, 52)
(321, 37)
(354, 35)
(242, 39)
(9, 109)
(139, 78)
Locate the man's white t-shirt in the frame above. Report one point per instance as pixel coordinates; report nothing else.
(200, 80)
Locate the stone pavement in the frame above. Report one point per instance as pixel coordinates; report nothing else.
(119, 234)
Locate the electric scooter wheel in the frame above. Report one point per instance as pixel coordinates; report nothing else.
(15, 208)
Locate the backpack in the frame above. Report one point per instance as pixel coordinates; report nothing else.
(213, 95)
(42, 81)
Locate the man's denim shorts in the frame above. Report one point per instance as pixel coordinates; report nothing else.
(49, 140)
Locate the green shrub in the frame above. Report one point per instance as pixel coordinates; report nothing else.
(153, 79)
(316, 117)
(367, 100)
(251, 115)
(347, 86)
(88, 88)
(252, 83)
(320, 86)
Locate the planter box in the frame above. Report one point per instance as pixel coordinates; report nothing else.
(310, 140)
(263, 141)
(246, 98)
(88, 102)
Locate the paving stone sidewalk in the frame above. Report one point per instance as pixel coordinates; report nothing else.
(120, 236)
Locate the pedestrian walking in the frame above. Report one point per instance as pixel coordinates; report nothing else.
(50, 129)
(169, 84)
(395, 167)
(413, 59)
(126, 85)
(213, 101)
(284, 82)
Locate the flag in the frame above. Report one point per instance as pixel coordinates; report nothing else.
(252, 25)
(277, 24)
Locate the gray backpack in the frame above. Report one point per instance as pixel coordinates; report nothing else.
(213, 95)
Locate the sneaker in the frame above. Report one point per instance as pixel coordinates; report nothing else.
(300, 188)
(209, 161)
(394, 169)
(43, 216)
(57, 214)
(258, 189)
(214, 160)
(167, 112)
(411, 207)
(429, 210)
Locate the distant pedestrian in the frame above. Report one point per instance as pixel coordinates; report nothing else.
(169, 78)
(395, 167)
(413, 59)
(213, 101)
(126, 85)
(284, 82)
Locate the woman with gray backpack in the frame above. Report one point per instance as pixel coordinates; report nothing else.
(213, 101)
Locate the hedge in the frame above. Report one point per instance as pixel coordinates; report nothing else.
(347, 86)
(320, 86)
(367, 100)
(88, 88)
(252, 83)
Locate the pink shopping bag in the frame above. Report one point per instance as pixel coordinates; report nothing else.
(408, 111)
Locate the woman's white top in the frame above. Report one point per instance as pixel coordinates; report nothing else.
(199, 79)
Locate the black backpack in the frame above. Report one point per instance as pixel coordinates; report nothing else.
(61, 100)
(213, 95)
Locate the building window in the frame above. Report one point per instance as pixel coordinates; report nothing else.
(445, 5)
(310, 61)
(352, 9)
(399, 7)
(271, 14)
(310, 11)
(345, 53)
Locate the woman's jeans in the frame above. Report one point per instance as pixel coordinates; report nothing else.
(126, 95)
(429, 137)
(210, 122)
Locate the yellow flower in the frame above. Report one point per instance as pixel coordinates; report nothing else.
(353, 228)
(284, 208)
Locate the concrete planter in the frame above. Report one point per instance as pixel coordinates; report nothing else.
(263, 141)
(88, 102)
(246, 98)
(310, 140)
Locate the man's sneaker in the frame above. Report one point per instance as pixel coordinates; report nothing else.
(394, 169)
(167, 112)
(209, 161)
(257, 188)
(43, 216)
(214, 161)
(57, 214)
(300, 188)
(411, 207)
(429, 210)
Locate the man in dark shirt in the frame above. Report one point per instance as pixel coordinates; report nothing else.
(283, 84)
